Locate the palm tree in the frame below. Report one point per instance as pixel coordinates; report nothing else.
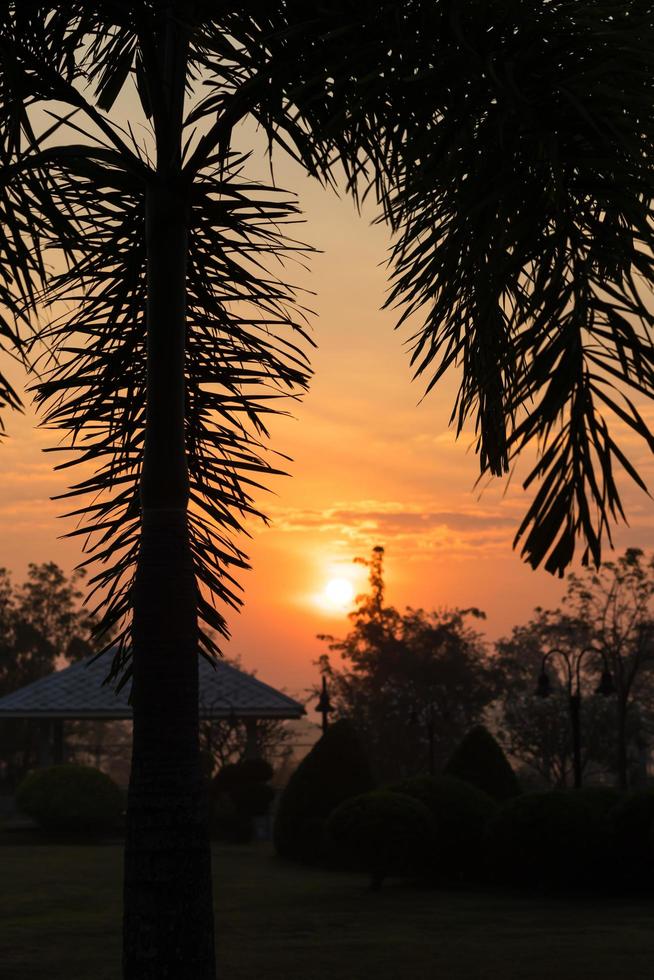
(509, 148)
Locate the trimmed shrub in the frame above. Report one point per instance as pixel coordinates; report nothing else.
(239, 773)
(546, 839)
(632, 827)
(227, 823)
(480, 761)
(239, 792)
(253, 799)
(600, 798)
(460, 813)
(383, 833)
(334, 770)
(603, 872)
(71, 798)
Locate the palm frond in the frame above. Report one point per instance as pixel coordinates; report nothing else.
(244, 351)
(510, 148)
(523, 227)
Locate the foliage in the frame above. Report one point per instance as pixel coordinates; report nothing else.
(239, 792)
(460, 813)
(413, 682)
(247, 770)
(71, 798)
(536, 340)
(40, 622)
(606, 620)
(479, 760)
(329, 87)
(334, 770)
(535, 731)
(508, 149)
(544, 319)
(49, 601)
(382, 832)
(616, 606)
(545, 839)
(601, 799)
(632, 823)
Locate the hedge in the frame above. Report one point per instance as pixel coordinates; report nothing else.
(71, 798)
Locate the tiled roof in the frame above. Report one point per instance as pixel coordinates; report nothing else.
(78, 692)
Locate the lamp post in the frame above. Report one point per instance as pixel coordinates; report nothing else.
(324, 706)
(573, 664)
(427, 716)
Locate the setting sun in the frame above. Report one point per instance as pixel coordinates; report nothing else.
(339, 593)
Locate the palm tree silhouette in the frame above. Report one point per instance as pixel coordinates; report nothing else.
(509, 149)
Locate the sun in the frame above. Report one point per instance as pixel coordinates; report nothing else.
(338, 593)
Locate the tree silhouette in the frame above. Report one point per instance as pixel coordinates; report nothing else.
(39, 621)
(508, 146)
(615, 605)
(412, 682)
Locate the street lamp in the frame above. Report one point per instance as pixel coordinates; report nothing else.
(324, 706)
(573, 677)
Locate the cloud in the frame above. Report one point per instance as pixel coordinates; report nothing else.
(415, 531)
(411, 521)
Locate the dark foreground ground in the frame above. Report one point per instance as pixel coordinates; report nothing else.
(59, 919)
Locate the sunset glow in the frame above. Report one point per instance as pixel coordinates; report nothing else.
(371, 464)
(339, 593)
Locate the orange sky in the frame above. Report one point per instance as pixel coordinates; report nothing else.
(371, 466)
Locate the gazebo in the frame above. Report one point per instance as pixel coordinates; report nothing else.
(78, 692)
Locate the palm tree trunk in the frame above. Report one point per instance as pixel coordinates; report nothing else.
(168, 917)
(168, 913)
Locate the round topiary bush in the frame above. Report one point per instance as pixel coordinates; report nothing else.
(632, 827)
(545, 839)
(238, 793)
(480, 761)
(460, 813)
(383, 833)
(240, 773)
(253, 799)
(601, 799)
(334, 770)
(71, 798)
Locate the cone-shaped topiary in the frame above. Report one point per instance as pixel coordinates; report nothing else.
(334, 770)
(480, 761)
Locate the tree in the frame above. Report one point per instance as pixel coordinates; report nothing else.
(509, 150)
(537, 731)
(413, 683)
(616, 605)
(49, 602)
(40, 622)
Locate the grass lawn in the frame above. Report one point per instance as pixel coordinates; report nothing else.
(59, 918)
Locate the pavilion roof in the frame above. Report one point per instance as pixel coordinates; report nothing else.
(78, 692)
